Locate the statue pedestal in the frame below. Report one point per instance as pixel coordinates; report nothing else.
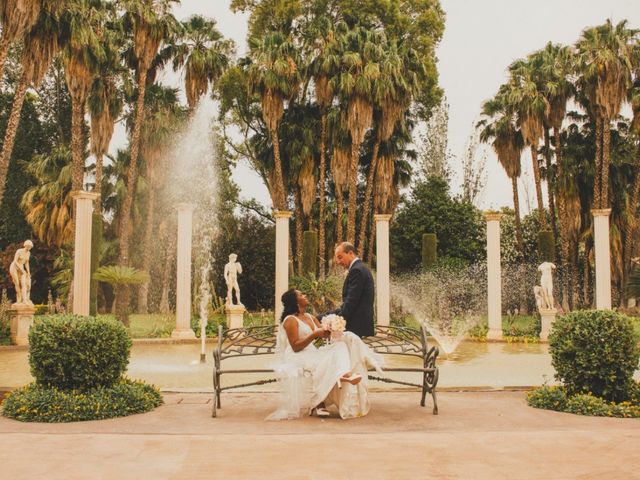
(21, 321)
(235, 315)
(548, 315)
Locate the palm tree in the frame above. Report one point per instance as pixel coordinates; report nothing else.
(117, 276)
(605, 64)
(48, 206)
(41, 45)
(634, 204)
(360, 51)
(82, 56)
(323, 68)
(555, 65)
(506, 140)
(151, 23)
(17, 18)
(532, 107)
(393, 93)
(163, 119)
(105, 104)
(339, 164)
(203, 53)
(274, 76)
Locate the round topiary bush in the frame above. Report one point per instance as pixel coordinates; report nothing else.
(595, 352)
(75, 352)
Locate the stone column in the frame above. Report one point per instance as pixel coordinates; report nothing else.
(82, 251)
(494, 276)
(603, 258)
(183, 284)
(282, 257)
(383, 288)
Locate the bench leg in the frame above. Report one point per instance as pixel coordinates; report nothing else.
(216, 393)
(424, 390)
(435, 401)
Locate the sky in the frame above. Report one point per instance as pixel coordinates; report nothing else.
(481, 38)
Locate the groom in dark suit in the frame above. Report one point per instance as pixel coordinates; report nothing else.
(357, 292)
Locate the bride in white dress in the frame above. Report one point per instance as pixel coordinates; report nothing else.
(311, 378)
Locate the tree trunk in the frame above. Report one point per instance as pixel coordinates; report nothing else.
(353, 193)
(281, 201)
(606, 156)
(536, 175)
(562, 220)
(126, 225)
(597, 194)
(516, 208)
(10, 133)
(5, 44)
(339, 212)
(632, 227)
(299, 229)
(322, 181)
(551, 187)
(372, 239)
(367, 197)
(98, 186)
(77, 162)
(143, 290)
(586, 279)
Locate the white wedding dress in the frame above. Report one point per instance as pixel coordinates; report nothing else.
(312, 375)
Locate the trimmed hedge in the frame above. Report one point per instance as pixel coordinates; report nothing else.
(555, 398)
(595, 352)
(36, 403)
(75, 352)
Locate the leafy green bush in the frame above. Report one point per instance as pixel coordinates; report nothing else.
(555, 398)
(595, 352)
(549, 398)
(36, 403)
(323, 294)
(75, 352)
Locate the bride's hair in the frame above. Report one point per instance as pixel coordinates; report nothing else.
(290, 303)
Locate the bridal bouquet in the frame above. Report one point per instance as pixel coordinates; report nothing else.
(335, 324)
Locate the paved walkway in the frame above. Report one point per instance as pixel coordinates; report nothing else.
(478, 435)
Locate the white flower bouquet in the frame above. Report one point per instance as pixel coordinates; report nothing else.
(335, 324)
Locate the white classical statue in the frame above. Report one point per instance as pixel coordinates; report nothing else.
(21, 275)
(231, 272)
(546, 284)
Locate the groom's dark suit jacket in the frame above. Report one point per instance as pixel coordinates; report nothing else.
(357, 300)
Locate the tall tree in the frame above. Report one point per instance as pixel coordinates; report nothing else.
(500, 130)
(41, 45)
(554, 64)
(151, 23)
(164, 116)
(360, 50)
(105, 104)
(274, 76)
(82, 55)
(532, 106)
(605, 63)
(17, 18)
(204, 54)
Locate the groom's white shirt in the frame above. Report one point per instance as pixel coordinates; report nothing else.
(352, 262)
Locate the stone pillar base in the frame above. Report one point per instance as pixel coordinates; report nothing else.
(548, 315)
(494, 334)
(235, 315)
(183, 333)
(21, 321)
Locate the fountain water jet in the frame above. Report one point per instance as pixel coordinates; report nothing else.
(448, 302)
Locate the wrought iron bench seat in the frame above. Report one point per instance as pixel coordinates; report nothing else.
(390, 340)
